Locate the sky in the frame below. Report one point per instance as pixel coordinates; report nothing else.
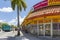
(10, 16)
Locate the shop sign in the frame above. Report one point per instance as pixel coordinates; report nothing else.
(45, 3)
(53, 2)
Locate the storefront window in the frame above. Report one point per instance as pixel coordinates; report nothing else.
(55, 29)
(55, 26)
(59, 25)
(47, 29)
(41, 29)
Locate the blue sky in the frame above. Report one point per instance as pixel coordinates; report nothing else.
(9, 16)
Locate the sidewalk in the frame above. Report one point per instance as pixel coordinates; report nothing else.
(26, 36)
(23, 36)
(6, 34)
(48, 38)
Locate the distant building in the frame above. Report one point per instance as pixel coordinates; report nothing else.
(44, 20)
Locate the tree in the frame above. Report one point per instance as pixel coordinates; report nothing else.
(13, 26)
(19, 4)
(0, 25)
(3, 24)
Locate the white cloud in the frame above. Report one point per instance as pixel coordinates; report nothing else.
(21, 19)
(14, 21)
(4, 9)
(2, 20)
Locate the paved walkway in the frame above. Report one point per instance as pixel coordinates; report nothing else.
(7, 34)
(10, 36)
(23, 36)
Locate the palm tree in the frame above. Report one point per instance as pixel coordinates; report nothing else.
(19, 4)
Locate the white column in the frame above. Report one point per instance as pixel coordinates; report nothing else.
(51, 28)
(37, 28)
(44, 29)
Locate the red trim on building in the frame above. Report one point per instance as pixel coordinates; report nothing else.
(44, 15)
(40, 5)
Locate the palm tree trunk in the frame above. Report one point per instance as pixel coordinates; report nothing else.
(18, 32)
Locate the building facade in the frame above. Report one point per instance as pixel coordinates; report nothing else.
(44, 20)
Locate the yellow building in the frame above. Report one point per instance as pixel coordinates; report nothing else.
(44, 19)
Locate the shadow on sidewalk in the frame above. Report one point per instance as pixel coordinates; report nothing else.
(25, 36)
(11, 38)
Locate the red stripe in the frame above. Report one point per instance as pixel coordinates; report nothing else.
(40, 4)
(44, 15)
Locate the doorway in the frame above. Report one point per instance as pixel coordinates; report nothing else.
(40, 29)
(56, 29)
(47, 29)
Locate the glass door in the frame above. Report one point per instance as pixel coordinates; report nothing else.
(41, 29)
(56, 29)
(47, 29)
